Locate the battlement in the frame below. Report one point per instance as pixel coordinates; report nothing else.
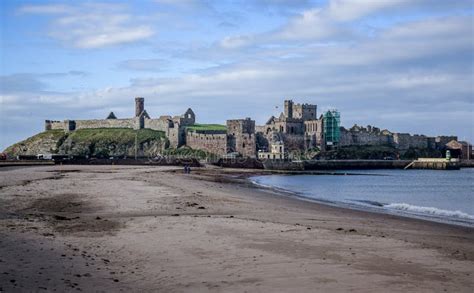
(240, 126)
(303, 111)
(297, 127)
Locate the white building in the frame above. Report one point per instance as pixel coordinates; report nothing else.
(277, 152)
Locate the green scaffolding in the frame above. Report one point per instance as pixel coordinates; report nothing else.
(332, 121)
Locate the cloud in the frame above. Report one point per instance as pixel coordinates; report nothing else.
(347, 10)
(20, 83)
(316, 23)
(92, 25)
(186, 4)
(411, 74)
(335, 22)
(45, 9)
(236, 42)
(144, 64)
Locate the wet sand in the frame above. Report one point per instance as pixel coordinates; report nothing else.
(154, 229)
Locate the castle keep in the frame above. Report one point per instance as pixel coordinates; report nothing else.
(297, 128)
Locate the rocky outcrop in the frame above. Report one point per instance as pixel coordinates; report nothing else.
(100, 143)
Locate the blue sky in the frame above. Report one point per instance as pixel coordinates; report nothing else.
(403, 65)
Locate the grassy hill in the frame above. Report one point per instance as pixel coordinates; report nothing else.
(98, 142)
(207, 127)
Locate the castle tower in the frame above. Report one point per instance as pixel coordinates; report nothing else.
(139, 106)
(241, 137)
(288, 108)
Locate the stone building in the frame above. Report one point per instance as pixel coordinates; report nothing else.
(297, 127)
(277, 152)
(241, 137)
(370, 135)
(174, 127)
(359, 135)
(238, 138)
(460, 149)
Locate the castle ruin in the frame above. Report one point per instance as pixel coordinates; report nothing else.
(297, 128)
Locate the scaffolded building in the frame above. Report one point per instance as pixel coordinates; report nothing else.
(332, 122)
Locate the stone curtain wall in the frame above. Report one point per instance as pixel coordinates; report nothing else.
(55, 125)
(404, 141)
(158, 124)
(363, 138)
(105, 123)
(212, 143)
(89, 124)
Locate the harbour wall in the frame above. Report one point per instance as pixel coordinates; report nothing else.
(335, 164)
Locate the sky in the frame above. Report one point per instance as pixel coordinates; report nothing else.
(402, 65)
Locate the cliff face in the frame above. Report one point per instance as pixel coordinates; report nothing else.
(100, 142)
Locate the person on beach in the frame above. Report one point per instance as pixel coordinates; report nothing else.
(187, 169)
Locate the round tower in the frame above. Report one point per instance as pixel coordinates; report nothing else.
(139, 106)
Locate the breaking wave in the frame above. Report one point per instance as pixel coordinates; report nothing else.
(429, 210)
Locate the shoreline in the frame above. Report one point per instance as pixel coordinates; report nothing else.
(378, 209)
(234, 176)
(155, 229)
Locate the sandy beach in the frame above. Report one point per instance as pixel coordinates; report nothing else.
(155, 229)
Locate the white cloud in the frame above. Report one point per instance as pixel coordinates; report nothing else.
(144, 64)
(420, 69)
(236, 42)
(347, 10)
(45, 9)
(317, 23)
(92, 25)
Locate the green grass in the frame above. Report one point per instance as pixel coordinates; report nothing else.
(56, 134)
(94, 137)
(48, 134)
(115, 135)
(207, 127)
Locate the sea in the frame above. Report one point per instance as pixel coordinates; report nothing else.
(437, 195)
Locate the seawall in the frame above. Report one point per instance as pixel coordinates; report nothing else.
(335, 164)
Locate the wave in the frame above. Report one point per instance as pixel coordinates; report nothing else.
(429, 210)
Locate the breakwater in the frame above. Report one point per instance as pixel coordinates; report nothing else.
(434, 163)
